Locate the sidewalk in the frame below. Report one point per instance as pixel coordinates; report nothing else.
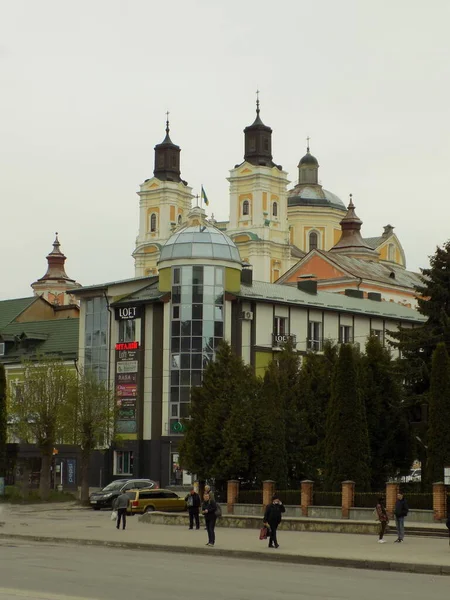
(58, 524)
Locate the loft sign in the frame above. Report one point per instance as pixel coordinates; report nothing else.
(126, 313)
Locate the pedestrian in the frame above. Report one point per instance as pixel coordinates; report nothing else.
(120, 505)
(400, 512)
(209, 508)
(383, 519)
(272, 518)
(193, 503)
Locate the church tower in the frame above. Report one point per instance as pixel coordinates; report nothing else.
(258, 205)
(165, 201)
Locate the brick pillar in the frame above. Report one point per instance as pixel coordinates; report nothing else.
(307, 490)
(348, 498)
(232, 495)
(439, 501)
(268, 492)
(391, 497)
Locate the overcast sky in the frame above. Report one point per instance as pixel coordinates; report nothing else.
(85, 86)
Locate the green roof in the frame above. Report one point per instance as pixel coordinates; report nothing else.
(59, 336)
(278, 293)
(11, 309)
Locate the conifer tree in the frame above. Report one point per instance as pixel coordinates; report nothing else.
(439, 416)
(347, 439)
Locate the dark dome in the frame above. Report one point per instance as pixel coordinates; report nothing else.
(308, 159)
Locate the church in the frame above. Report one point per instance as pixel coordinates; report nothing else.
(284, 233)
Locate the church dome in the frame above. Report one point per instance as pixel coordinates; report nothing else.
(200, 241)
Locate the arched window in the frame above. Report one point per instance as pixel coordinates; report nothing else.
(246, 207)
(180, 219)
(153, 222)
(275, 209)
(313, 240)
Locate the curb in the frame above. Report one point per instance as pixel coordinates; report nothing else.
(353, 563)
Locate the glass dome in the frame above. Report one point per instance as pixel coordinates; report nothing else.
(200, 241)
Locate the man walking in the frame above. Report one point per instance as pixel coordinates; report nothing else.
(400, 512)
(121, 506)
(193, 504)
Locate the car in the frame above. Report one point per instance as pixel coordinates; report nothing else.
(105, 497)
(148, 500)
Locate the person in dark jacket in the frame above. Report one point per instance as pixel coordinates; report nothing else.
(121, 506)
(400, 512)
(209, 507)
(193, 504)
(272, 518)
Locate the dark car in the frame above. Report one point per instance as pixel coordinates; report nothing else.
(105, 497)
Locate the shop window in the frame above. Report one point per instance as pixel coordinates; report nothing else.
(246, 207)
(123, 462)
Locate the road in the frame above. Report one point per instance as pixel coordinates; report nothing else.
(55, 572)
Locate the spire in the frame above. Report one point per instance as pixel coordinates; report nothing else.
(351, 242)
(167, 158)
(258, 141)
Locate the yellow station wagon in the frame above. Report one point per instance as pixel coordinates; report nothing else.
(142, 501)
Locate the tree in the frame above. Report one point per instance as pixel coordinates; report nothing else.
(439, 415)
(347, 439)
(389, 436)
(218, 442)
(89, 416)
(3, 421)
(38, 410)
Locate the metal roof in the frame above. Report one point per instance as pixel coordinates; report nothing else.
(277, 293)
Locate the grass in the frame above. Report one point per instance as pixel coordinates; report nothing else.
(14, 495)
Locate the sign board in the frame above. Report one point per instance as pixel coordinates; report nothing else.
(447, 475)
(125, 313)
(126, 385)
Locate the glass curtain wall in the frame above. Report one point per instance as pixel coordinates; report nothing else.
(197, 326)
(96, 337)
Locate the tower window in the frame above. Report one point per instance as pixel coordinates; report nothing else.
(275, 209)
(153, 222)
(246, 207)
(313, 240)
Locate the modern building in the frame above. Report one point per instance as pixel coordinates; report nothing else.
(155, 335)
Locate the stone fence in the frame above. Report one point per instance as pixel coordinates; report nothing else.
(347, 509)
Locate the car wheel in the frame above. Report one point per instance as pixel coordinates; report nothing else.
(149, 509)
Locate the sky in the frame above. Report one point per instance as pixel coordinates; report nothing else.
(85, 87)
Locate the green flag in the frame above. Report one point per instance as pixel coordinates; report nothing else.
(205, 197)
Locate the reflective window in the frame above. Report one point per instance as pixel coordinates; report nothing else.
(197, 299)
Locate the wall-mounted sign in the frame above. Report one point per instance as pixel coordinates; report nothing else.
(124, 313)
(126, 385)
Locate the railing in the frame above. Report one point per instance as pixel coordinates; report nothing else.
(250, 497)
(327, 499)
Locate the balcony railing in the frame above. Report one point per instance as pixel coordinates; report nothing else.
(279, 339)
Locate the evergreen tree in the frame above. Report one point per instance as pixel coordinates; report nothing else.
(314, 396)
(219, 436)
(347, 439)
(439, 415)
(3, 421)
(390, 440)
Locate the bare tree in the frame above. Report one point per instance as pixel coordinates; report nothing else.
(38, 411)
(89, 417)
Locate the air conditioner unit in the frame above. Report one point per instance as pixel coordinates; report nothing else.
(247, 315)
(2, 348)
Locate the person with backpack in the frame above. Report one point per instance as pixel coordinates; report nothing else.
(382, 518)
(209, 508)
(272, 518)
(400, 512)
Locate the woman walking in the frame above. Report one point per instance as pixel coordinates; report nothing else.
(272, 518)
(209, 508)
(383, 519)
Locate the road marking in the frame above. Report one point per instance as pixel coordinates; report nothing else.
(10, 594)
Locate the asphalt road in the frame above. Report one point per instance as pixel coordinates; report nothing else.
(55, 572)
